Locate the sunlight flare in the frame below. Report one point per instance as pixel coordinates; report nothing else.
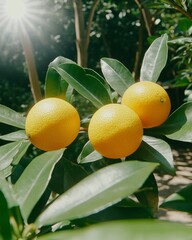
(16, 10)
(17, 14)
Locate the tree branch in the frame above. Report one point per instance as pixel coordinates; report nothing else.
(90, 20)
(143, 13)
(180, 9)
(31, 66)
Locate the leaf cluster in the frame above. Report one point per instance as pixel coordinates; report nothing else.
(66, 189)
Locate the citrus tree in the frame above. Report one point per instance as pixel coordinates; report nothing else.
(106, 170)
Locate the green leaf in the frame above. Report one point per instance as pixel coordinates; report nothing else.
(91, 72)
(21, 152)
(116, 74)
(156, 150)
(148, 195)
(181, 40)
(179, 124)
(180, 201)
(124, 230)
(8, 192)
(7, 153)
(60, 60)
(10, 117)
(154, 60)
(87, 85)
(55, 86)
(5, 226)
(98, 191)
(88, 154)
(65, 175)
(14, 136)
(34, 180)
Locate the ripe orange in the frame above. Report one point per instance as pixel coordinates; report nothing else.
(115, 131)
(150, 101)
(52, 124)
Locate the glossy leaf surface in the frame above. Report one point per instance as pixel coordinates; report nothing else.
(87, 85)
(156, 150)
(97, 191)
(7, 153)
(154, 60)
(179, 124)
(10, 117)
(124, 230)
(89, 154)
(35, 178)
(14, 136)
(180, 201)
(116, 74)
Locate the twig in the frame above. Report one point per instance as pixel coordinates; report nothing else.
(142, 10)
(90, 20)
(178, 8)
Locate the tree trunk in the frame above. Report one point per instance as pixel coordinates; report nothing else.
(31, 66)
(82, 30)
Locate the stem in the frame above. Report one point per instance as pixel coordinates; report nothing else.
(30, 61)
(178, 8)
(29, 231)
(143, 12)
(90, 20)
(138, 57)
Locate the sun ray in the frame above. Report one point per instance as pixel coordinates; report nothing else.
(16, 14)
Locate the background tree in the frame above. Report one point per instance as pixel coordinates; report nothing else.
(83, 29)
(122, 30)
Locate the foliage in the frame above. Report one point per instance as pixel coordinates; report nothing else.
(57, 33)
(56, 192)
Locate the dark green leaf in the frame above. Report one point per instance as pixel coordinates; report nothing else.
(65, 175)
(89, 154)
(156, 150)
(97, 191)
(148, 195)
(91, 72)
(87, 85)
(154, 60)
(116, 74)
(180, 201)
(10, 117)
(124, 230)
(34, 180)
(5, 226)
(179, 124)
(55, 86)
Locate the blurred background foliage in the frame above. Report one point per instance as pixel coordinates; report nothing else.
(120, 29)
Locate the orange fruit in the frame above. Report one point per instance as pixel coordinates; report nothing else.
(52, 124)
(115, 131)
(150, 101)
